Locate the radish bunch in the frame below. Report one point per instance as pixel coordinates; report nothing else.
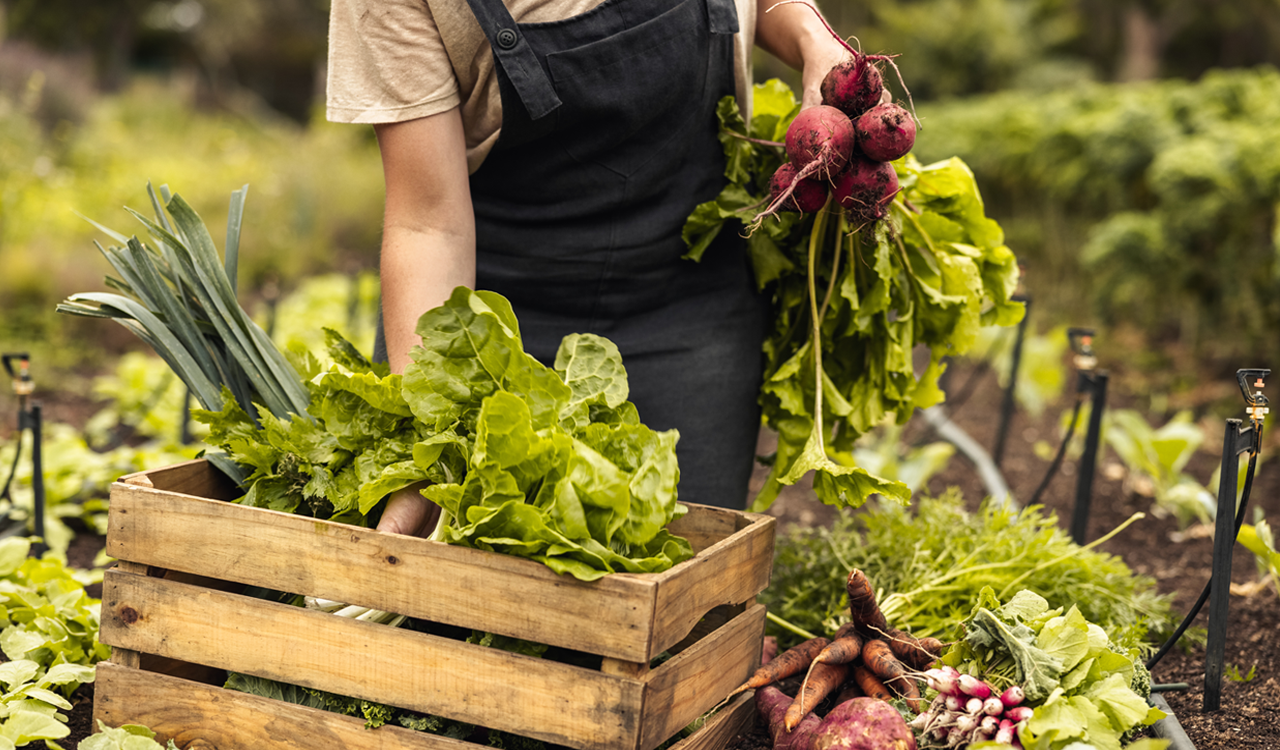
(842, 147)
(968, 710)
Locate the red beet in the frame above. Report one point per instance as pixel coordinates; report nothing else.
(807, 195)
(822, 135)
(853, 86)
(885, 132)
(866, 189)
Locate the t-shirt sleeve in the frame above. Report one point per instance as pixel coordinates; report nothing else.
(386, 63)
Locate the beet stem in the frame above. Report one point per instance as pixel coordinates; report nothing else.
(819, 225)
(749, 139)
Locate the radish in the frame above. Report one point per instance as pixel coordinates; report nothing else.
(865, 190)
(1005, 733)
(807, 195)
(992, 706)
(1012, 697)
(971, 685)
(885, 132)
(1018, 713)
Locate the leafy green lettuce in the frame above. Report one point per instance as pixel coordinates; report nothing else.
(928, 278)
(549, 463)
(1079, 687)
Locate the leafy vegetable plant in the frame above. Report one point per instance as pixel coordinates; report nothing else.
(1079, 684)
(852, 300)
(549, 464)
(930, 564)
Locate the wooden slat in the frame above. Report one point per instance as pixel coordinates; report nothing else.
(732, 571)
(549, 701)
(197, 715)
(429, 580)
(197, 477)
(699, 677)
(722, 728)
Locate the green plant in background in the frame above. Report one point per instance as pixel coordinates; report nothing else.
(144, 399)
(1259, 539)
(1041, 376)
(930, 564)
(1156, 458)
(49, 637)
(77, 479)
(344, 303)
(882, 453)
(1170, 188)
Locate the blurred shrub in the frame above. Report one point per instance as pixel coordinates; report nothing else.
(315, 193)
(1155, 202)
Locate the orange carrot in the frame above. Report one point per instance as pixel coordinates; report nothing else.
(790, 662)
(823, 679)
(841, 650)
(918, 653)
(870, 684)
(862, 603)
(848, 692)
(879, 658)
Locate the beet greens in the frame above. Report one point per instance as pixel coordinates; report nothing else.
(856, 288)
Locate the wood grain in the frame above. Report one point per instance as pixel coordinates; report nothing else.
(204, 717)
(701, 676)
(646, 614)
(553, 702)
(722, 728)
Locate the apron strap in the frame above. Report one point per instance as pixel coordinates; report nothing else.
(517, 58)
(722, 16)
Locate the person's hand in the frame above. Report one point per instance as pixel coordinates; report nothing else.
(820, 57)
(409, 513)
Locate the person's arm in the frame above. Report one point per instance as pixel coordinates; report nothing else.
(428, 249)
(795, 34)
(428, 235)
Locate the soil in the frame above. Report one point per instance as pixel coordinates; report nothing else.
(1178, 559)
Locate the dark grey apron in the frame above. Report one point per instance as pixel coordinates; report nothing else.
(608, 142)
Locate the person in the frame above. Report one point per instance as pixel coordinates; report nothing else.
(550, 151)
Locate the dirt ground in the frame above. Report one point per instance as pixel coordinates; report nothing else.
(1180, 561)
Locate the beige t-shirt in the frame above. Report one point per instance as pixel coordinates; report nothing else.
(396, 60)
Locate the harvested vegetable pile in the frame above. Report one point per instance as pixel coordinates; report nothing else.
(857, 283)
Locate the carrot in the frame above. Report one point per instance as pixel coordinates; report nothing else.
(879, 658)
(790, 662)
(848, 692)
(823, 679)
(870, 684)
(841, 650)
(862, 603)
(917, 653)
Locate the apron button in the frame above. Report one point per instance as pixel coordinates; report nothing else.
(507, 38)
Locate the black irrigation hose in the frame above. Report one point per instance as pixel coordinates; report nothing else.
(1208, 586)
(1062, 451)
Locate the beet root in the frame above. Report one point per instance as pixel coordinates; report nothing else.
(853, 86)
(866, 190)
(822, 135)
(807, 194)
(886, 132)
(863, 724)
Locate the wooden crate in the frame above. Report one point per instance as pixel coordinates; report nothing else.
(173, 612)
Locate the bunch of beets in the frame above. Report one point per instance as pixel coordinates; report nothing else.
(842, 148)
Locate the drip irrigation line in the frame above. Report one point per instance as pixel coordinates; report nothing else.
(990, 474)
(1057, 459)
(13, 468)
(1208, 586)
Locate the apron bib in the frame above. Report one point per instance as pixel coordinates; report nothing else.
(608, 142)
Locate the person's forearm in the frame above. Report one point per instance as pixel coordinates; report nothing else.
(419, 270)
(428, 240)
(797, 36)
